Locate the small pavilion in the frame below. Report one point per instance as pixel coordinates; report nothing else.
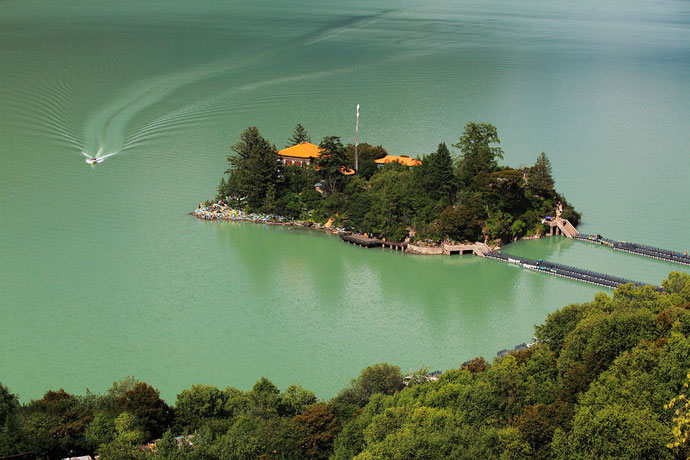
(303, 155)
(299, 155)
(402, 159)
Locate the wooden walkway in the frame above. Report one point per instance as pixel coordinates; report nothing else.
(639, 249)
(560, 226)
(361, 240)
(565, 271)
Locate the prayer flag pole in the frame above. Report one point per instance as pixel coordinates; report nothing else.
(356, 140)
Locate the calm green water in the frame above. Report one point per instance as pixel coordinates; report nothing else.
(103, 273)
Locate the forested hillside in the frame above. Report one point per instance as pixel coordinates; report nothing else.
(595, 386)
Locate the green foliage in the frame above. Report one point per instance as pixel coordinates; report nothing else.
(608, 379)
(478, 154)
(101, 430)
(128, 429)
(294, 400)
(366, 154)
(612, 359)
(614, 432)
(443, 198)
(681, 420)
(540, 175)
(299, 136)
(330, 164)
(9, 424)
(254, 170)
(437, 177)
(317, 428)
(143, 402)
(390, 206)
(201, 401)
(380, 378)
(463, 222)
(54, 424)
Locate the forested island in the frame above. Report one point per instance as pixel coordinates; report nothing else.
(606, 379)
(465, 197)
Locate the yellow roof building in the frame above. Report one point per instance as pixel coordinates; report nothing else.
(303, 154)
(402, 159)
(304, 150)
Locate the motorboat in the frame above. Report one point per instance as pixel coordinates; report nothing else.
(95, 160)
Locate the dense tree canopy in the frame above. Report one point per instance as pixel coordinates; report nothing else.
(331, 163)
(478, 152)
(254, 169)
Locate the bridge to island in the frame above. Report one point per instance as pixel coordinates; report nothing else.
(557, 226)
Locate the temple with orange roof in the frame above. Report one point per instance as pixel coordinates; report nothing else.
(300, 155)
(402, 159)
(304, 154)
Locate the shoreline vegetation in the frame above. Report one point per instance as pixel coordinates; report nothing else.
(436, 199)
(603, 379)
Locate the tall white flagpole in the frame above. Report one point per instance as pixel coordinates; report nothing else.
(357, 140)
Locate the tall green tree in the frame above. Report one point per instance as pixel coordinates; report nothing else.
(478, 151)
(253, 171)
(317, 427)
(331, 163)
(436, 175)
(201, 401)
(144, 402)
(294, 400)
(463, 222)
(127, 441)
(299, 136)
(9, 424)
(391, 206)
(54, 425)
(379, 378)
(540, 178)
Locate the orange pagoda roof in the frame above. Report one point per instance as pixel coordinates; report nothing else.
(304, 150)
(402, 159)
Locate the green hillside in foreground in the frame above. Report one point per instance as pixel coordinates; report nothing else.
(594, 386)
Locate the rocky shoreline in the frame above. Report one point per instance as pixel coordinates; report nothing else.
(223, 211)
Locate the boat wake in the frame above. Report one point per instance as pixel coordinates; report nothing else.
(97, 158)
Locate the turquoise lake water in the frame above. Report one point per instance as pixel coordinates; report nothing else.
(104, 274)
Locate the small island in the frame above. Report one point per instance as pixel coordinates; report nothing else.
(434, 198)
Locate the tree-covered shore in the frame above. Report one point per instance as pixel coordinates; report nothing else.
(596, 385)
(464, 197)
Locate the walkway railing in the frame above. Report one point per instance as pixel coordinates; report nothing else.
(565, 271)
(639, 249)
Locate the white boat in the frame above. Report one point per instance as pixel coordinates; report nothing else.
(96, 160)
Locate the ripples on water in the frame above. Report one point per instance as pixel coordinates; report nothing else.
(600, 88)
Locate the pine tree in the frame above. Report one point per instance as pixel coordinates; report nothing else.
(437, 174)
(330, 164)
(540, 178)
(477, 153)
(253, 170)
(299, 136)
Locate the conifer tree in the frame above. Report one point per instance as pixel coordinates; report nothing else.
(540, 178)
(477, 153)
(437, 174)
(330, 164)
(299, 136)
(253, 171)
